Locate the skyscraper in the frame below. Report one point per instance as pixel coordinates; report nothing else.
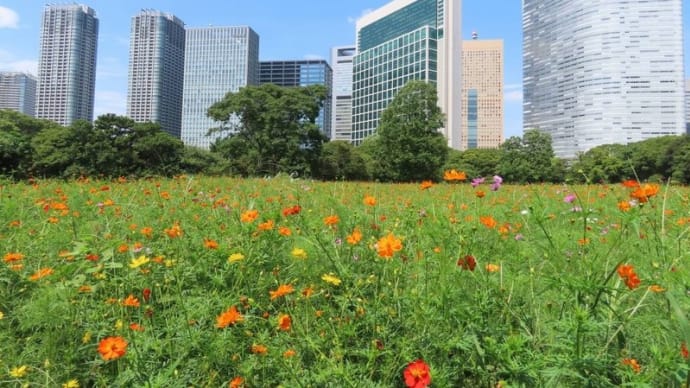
(602, 71)
(302, 73)
(156, 70)
(67, 63)
(408, 40)
(219, 60)
(341, 100)
(18, 92)
(482, 94)
(687, 107)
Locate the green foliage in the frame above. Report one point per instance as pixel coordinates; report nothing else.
(341, 160)
(410, 147)
(274, 129)
(479, 162)
(199, 161)
(527, 159)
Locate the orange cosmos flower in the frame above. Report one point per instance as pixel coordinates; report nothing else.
(493, 267)
(426, 185)
(11, 257)
(656, 288)
(268, 225)
(289, 353)
(259, 349)
(479, 194)
(147, 232)
(631, 183)
(41, 273)
(354, 237)
(112, 348)
(284, 322)
(249, 216)
(388, 245)
(627, 273)
(131, 301)
(284, 231)
(684, 351)
(229, 317)
(369, 200)
(624, 206)
(417, 374)
(291, 211)
(488, 221)
(282, 290)
(174, 231)
(237, 382)
(453, 175)
(210, 244)
(136, 327)
(633, 364)
(643, 193)
(331, 220)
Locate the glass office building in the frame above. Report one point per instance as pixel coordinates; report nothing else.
(482, 90)
(18, 92)
(302, 73)
(402, 41)
(219, 60)
(602, 71)
(156, 70)
(67, 64)
(687, 107)
(341, 100)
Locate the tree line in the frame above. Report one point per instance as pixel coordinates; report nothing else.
(273, 130)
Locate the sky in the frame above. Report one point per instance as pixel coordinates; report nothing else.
(287, 29)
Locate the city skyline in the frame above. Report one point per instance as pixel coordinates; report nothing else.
(281, 37)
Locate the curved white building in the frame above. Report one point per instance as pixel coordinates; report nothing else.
(602, 71)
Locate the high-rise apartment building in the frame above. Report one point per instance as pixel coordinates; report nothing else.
(302, 73)
(482, 94)
(687, 107)
(156, 70)
(408, 40)
(341, 100)
(18, 92)
(67, 63)
(219, 60)
(602, 71)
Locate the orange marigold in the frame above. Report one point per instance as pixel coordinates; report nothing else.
(228, 317)
(282, 290)
(112, 348)
(388, 245)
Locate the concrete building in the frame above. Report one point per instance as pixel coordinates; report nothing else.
(602, 71)
(341, 101)
(218, 60)
(156, 70)
(302, 73)
(408, 40)
(482, 94)
(687, 107)
(67, 63)
(18, 92)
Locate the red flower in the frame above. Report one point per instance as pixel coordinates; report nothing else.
(146, 293)
(684, 351)
(467, 262)
(291, 211)
(417, 374)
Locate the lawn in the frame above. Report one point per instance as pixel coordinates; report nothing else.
(199, 281)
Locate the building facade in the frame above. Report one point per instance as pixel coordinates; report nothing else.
(18, 92)
(156, 70)
(408, 40)
(302, 73)
(482, 94)
(67, 63)
(219, 60)
(602, 71)
(687, 107)
(341, 100)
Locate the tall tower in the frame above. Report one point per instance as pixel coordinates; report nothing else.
(341, 101)
(67, 63)
(602, 71)
(687, 107)
(18, 92)
(482, 94)
(302, 73)
(156, 70)
(408, 40)
(219, 60)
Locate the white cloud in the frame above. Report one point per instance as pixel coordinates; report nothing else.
(310, 57)
(365, 12)
(512, 96)
(107, 101)
(8, 18)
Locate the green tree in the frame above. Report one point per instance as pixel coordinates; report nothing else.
(341, 160)
(605, 163)
(410, 147)
(527, 159)
(479, 162)
(274, 128)
(16, 131)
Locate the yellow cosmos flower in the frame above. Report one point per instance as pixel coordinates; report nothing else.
(71, 384)
(19, 371)
(331, 278)
(299, 253)
(138, 262)
(86, 338)
(2, 315)
(235, 257)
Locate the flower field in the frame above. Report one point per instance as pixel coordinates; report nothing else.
(209, 282)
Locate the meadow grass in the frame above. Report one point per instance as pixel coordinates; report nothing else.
(198, 281)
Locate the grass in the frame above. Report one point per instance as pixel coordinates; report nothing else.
(264, 283)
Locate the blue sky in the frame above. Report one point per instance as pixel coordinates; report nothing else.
(288, 29)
